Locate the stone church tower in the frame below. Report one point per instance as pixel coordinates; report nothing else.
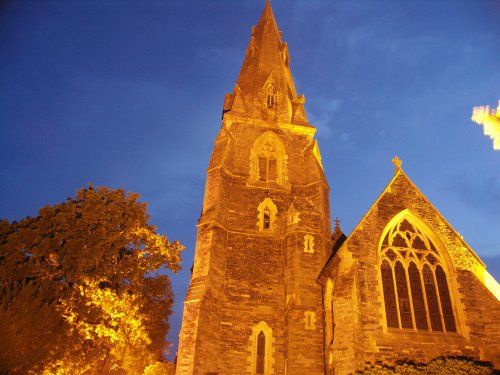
(274, 292)
(254, 305)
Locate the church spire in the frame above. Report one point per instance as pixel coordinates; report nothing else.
(265, 87)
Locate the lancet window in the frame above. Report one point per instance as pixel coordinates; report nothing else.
(416, 293)
(329, 318)
(261, 353)
(261, 350)
(271, 97)
(267, 211)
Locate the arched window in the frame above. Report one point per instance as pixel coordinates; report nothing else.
(267, 218)
(268, 160)
(267, 212)
(271, 97)
(416, 293)
(261, 353)
(329, 319)
(261, 350)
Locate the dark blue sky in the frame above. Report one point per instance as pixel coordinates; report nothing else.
(129, 94)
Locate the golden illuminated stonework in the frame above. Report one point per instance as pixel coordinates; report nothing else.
(274, 291)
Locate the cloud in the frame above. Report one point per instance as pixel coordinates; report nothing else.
(327, 108)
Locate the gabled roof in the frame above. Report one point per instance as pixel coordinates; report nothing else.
(400, 174)
(463, 256)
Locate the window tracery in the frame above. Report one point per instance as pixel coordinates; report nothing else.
(416, 293)
(268, 160)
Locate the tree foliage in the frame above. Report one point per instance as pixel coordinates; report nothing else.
(441, 365)
(80, 291)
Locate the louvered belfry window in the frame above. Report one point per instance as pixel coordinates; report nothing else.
(261, 352)
(416, 292)
(267, 164)
(271, 97)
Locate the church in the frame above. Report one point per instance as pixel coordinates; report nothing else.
(274, 291)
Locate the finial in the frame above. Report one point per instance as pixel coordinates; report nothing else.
(397, 163)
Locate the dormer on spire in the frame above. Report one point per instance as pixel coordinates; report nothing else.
(267, 58)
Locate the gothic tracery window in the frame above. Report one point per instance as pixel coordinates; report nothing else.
(268, 160)
(416, 293)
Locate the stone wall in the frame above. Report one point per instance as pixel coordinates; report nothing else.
(244, 275)
(361, 334)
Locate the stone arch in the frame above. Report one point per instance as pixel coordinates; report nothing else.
(261, 348)
(414, 275)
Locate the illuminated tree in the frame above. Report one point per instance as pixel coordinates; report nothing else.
(490, 119)
(80, 289)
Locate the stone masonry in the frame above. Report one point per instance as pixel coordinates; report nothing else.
(274, 292)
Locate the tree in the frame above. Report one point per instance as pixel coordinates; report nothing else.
(81, 288)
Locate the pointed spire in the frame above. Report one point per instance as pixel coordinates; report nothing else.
(267, 13)
(266, 87)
